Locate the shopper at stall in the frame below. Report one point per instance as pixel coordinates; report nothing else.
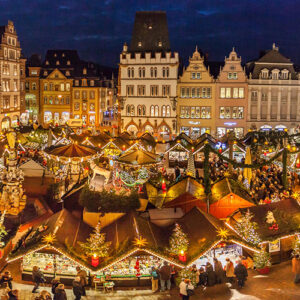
(202, 277)
(60, 293)
(55, 282)
(83, 279)
(186, 289)
(77, 288)
(195, 273)
(241, 274)
(6, 279)
(296, 268)
(211, 274)
(37, 277)
(165, 277)
(229, 269)
(219, 271)
(154, 279)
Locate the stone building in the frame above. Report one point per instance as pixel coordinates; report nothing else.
(231, 97)
(274, 92)
(196, 98)
(148, 73)
(11, 65)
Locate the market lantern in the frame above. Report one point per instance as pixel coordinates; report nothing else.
(164, 186)
(182, 256)
(95, 260)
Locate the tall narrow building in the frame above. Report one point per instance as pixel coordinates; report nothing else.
(148, 78)
(11, 65)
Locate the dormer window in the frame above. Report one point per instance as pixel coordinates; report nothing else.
(45, 73)
(63, 55)
(92, 83)
(47, 62)
(57, 62)
(84, 71)
(232, 75)
(68, 62)
(150, 27)
(265, 74)
(284, 74)
(275, 74)
(55, 55)
(67, 73)
(77, 82)
(139, 44)
(159, 44)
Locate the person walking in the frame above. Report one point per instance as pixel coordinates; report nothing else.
(37, 277)
(211, 274)
(240, 271)
(165, 277)
(296, 268)
(55, 282)
(202, 277)
(60, 293)
(154, 279)
(229, 269)
(83, 279)
(77, 288)
(219, 271)
(7, 279)
(186, 289)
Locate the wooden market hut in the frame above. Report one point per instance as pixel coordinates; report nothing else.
(228, 195)
(287, 216)
(148, 141)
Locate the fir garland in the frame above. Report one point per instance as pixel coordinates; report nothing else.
(207, 186)
(284, 168)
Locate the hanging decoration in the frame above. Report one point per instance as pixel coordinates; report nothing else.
(140, 242)
(271, 221)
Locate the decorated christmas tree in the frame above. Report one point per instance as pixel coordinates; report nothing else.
(296, 247)
(247, 228)
(178, 241)
(95, 245)
(262, 259)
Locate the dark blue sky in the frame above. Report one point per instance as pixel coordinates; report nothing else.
(98, 28)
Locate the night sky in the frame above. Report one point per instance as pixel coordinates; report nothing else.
(98, 28)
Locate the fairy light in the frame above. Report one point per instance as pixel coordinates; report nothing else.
(176, 145)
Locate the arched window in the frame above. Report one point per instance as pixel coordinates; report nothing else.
(164, 72)
(151, 72)
(167, 72)
(156, 111)
(139, 110)
(144, 72)
(155, 72)
(132, 110)
(163, 111)
(152, 110)
(132, 72)
(168, 111)
(128, 110)
(140, 72)
(144, 110)
(128, 72)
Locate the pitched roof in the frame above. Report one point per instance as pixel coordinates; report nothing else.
(71, 150)
(139, 157)
(274, 56)
(150, 29)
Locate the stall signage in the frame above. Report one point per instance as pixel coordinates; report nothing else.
(274, 246)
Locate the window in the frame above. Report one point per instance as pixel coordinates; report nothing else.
(208, 92)
(50, 100)
(92, 83)
(152, 110)
(284, 74)
(222, 93)
(34, 86)
(68, 62)
(275, 74)
(265, 74)
(68, 87)
(92, 94)
(163, 72)
(56, 101)
(92, 106)
(67, 100)
(57, 62)
(203, 92)
(151, 72)
(163, 111)
(33, 72)
(193, 92)
(241, 92)
(205, 112)
(45, 73)
(167, 72)
(193, 75)
(228, 92)
(84, 71)
(222, 112)
(45, 86)
(254, 95)
(154, 90)
(240, 112)
(128, 110)
(132, 110)
(76, 106)
(45, 100)
(140, 72)
(56, 87)
(141, 110)
(168, 111)
(84, 106)
(6, 102)
(165, 90)
(227, 112)
(62, 87)
(77, 95)
(156, 111)
(232, 75)
(84, 95)
(198, 93)
(141, 90)
(130, 90)
(182, 93)
(194, 112)
(235, 93)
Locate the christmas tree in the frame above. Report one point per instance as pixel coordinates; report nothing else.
(296, 247)
(247, 229)
(95, 245)
(3, 231)
(191, 171)
(262, 259)
(178, 241)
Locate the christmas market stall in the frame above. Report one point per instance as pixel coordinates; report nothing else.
(206, 238)
(274, 225)
(148, 141)
(54, 246)
(137, 246)
(199, 148)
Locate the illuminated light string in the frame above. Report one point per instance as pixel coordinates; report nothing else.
(177, 144)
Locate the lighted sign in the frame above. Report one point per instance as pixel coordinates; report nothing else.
(194, 122)
(230, 123)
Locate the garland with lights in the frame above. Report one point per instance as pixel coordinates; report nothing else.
(296, 246)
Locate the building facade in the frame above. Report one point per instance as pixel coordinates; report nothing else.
(11, 79)
(148, 73)
(231, 97)
(196, 99)
(274, 93)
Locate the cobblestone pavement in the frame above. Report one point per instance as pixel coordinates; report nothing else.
(278, 285)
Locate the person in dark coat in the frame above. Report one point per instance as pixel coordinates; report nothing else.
(60, 293)
(7, 279)
(202, 277)
(77, 288)
(211, 274)
(37, 277)
(241, 274)
(219, 271)
(55, 282)
(13, 295)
